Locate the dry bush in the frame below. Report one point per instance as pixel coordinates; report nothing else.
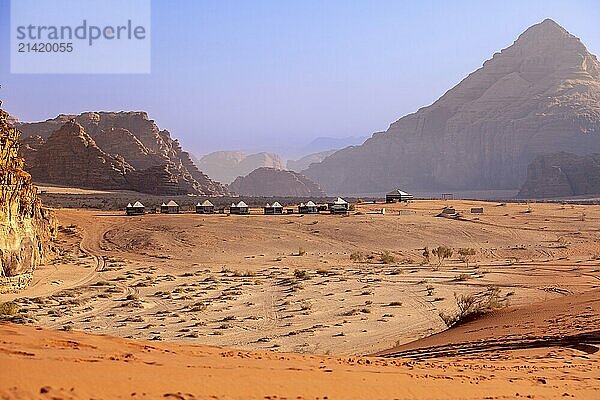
(465, 254)
(387, 258)
(426, 255)
(301, 274)
(462, 277)
(472, 306)
(442, 253)
(357, 256)
(8, 309)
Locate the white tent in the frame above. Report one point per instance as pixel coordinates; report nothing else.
(241, 204)
(172, 204)
(277, 205)
(138, 204)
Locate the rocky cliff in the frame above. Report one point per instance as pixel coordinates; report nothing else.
(538, 96)
(26, 229)
(275, 182)
(562, 175)
(225, 166)
(304, 162)
(125, 150)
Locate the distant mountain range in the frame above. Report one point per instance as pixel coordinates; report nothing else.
(225, 166)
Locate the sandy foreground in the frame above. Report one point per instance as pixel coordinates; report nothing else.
(165, 286)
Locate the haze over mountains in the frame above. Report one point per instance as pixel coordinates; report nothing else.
(539, 96)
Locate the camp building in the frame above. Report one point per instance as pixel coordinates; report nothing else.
(308, 208)
(239, 208)
(398, 196)
(339, 206)
(273, 209)
(206, 207)
(170, 208)
(136, 209)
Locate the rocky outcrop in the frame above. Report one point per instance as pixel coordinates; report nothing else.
(71, 156)
(562, 175)
(306, 161)
(225, 166)
(538, 96)
(133, 152)
(275, 182)
(26, 229)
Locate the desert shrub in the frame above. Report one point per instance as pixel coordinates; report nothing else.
(395, 304)
(387, 258)
(357, 256)
(426, 255)
(8, 309)
(471, 306)
(465, 255)
(301, 251)
(305, 305)
(301, 274)
(430, 290)
(442, 253)
(462, 277)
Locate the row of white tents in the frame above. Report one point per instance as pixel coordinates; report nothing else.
(338, 206)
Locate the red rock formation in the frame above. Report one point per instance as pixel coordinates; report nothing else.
(144, 157)
(26, 229)
(275, 182)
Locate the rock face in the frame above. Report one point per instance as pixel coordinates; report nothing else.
(562, 175)
(539, 96)
(26, 229)
(123, 150)
(275, 182)
(304, 162)
(225, 166)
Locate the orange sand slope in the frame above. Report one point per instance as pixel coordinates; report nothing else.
(572, 321)
(39, 363)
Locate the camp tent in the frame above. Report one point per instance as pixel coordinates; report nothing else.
(206, 207)
(170, 208)
(308, 208)
(273, 209)
(136, 209)
(239, 208)
(398, 196)
(339, 206)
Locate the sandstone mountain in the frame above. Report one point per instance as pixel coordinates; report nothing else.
(562, 175)
(225, 166)
(266, 181)
(538, 96)
(26, 229)
(304, 162)
(111, 150)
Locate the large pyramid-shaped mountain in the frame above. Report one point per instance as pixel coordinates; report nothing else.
(538, 96)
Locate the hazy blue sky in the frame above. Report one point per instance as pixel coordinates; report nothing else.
(259, 74)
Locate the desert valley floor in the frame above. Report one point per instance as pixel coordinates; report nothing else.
(329, 289)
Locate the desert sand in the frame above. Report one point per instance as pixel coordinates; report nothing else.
(330, 289)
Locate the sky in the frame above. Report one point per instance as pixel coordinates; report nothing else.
(274, 75)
